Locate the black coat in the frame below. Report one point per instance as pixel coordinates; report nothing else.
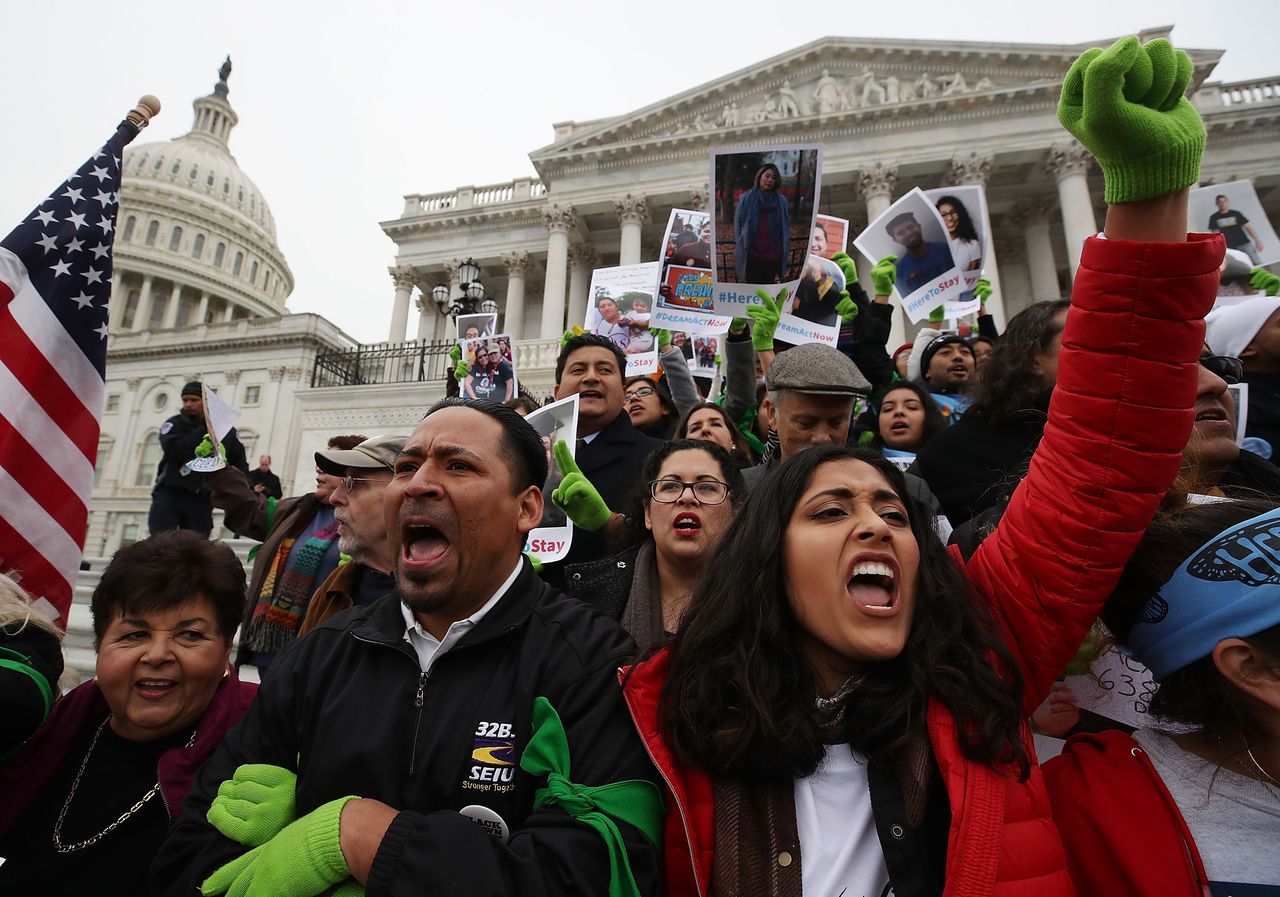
(179, 436)
(1264, 409)
(349, 709)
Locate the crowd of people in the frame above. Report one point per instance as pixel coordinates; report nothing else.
(804, 639)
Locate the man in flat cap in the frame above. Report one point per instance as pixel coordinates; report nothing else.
(923, 260)
(180, 499)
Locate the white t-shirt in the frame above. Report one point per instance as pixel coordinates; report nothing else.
(965, 252)
(840, 852)
(1235, 820)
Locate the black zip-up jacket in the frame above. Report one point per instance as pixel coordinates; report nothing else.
(348, 708)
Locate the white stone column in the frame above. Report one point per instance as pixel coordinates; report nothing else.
(171, 309)
(559, 221)
(426, 318)
(228, 311)
(119, 299)
(975, 168)
(1068, 162)
(582, 261)
(1033, 217)
(517, 265)
(403, 277)
(632, 214)
(203, 308)
(876, 183)
(142, 314)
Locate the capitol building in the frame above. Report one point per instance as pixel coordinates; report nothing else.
(200, 285)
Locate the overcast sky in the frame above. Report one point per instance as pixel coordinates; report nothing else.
(344, 108)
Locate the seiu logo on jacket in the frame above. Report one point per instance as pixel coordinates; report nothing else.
(493, 758)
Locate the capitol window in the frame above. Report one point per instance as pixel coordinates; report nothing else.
(161, 400)
(176, 166)
(209, 180)
(113, 403)
(105, 445)
(235, 268)
(226, 186)
(240, 195)
(253, 273)
(218, 255)
(159, 162)
(252, 395)
(148, 459)
(175, 239)
(128, 227)
(153, 230)
(194, 172)
(197, 248)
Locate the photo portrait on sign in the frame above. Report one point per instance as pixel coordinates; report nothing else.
(477, 325)
(687, 240)
(549, 541)
(491, 369)
(912, 231)
(702, 362)
(764, 202)
(809, 314)
(620, 304)
(830, 235)
(963, 213)
(1234, 211)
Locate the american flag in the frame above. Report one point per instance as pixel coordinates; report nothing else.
(55, 282)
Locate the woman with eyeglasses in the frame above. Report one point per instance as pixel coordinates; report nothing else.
(655, 405)
(691, 490)
(961, 234)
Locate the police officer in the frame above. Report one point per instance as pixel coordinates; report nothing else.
(180, 499)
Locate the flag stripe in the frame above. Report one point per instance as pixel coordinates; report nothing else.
(64, 504)
(38, 428)
(36, 527)
(37, 575)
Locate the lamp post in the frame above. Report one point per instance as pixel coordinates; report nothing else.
(472, 299)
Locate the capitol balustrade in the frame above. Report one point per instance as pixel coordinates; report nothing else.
(1238, 93)
(417, 361)
(513, 191)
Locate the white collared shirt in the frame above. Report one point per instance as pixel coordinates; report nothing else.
(428, 647)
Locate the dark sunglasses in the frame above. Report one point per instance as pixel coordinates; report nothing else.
(1229, 369)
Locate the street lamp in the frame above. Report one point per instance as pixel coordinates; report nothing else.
(472, 298)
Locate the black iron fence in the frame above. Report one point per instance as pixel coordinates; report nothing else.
(382, 363)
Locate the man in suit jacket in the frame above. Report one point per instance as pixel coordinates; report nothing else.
(610, 451)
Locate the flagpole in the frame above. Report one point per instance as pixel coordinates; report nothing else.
(141, 114)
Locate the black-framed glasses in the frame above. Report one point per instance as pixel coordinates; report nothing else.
(709, 492)
(349, 483)
(1225, 366)
(641, 393)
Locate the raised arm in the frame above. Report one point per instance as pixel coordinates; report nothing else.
(1122, 407)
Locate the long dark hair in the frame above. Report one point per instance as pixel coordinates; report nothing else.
(964, 224)
(1196, 695)
(934, 422)
(739, 698)
(741, 448)
(1009, 387)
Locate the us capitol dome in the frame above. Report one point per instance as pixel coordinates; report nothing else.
(196, 242)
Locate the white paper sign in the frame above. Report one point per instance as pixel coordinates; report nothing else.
(963, 211)
(550, 540)
(620, 306)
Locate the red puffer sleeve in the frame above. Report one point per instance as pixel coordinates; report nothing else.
(1120, 416)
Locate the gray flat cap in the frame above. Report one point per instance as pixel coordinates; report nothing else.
(816, 369)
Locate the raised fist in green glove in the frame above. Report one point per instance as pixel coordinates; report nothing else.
(884, 275)
(1262, 279)
(766, 317)
(982, 290)
(846, 308)
(459, 366)
(254, 804)
(303, 860)
(575, 495)
(1128, 106)
(847, 266)
(938, 315)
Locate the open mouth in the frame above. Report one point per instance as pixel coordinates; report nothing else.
(899, 428)
(423, 544)
(589, 394)
(154, 688)
(959, 371)
(1216, 413)
(873, 587)
(687, 524)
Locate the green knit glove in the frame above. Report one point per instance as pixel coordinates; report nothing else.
(766, 317)
(1128, 106)
(635, 802)
(303, 860)
(664, 338)
(569, 334)
(349, 888)
(205, 448)
(1262, 279)
(737, 325)
(884, 275)
(575, 495)
(846, 308)
(459, 366)
(982, 290)
(847, 266)
(254, 804)
(938, 315)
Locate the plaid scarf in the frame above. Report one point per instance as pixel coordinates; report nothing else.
(286, 590)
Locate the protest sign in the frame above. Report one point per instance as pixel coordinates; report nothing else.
(687, 239)
(830, 235)
(491, 368)
(549, 541)
(809, 315)
(911, 230)
(763, 206)
(219, 417)
(620, 307)
(705, 349)
(1239, 393)
(477, 325)
(963, 213)
(686, 302)
(1233, 210)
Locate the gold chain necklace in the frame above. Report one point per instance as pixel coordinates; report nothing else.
(1258, 766)
(89, 842)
